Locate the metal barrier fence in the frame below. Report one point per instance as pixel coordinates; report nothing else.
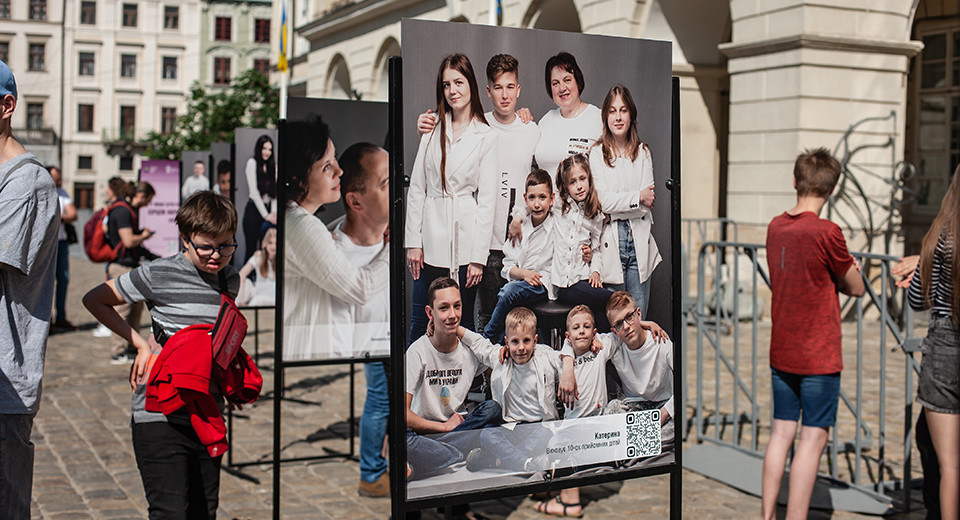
(729, 402)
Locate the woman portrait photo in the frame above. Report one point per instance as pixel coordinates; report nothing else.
(261, 177)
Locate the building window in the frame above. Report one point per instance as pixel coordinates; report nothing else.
(128, 121)
(4, 8)
(85, 162)
(171, 17)
(84, 118)
(261, 30)
(88, 13)
(128, 65)
(168, 120)
(126, 163)
(87, 64)
(38, 9)
(262, 66)
(34, 116)
(83, 191)
(37, 51)
(221, 71)
(222, 29)
(169, 67)
(5, 52)
(129, 15)
(938, 128)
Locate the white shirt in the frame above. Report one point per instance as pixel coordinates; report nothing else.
(439, 382)
(571, 230)
(513, 394)
(647, 373)
(561, 137)
(516, 143)
(65, 201)
(453, 225)
(360, 329)
(590, 371)
(534, 252)
(262, 292)
(260, 200)
(317, 270)
(194, 184)
(618, 189)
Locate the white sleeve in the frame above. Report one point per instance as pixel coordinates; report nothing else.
(417, 194)
(255, 196)
(486, 352)
(486, 199)
(619, 204)
(413, 370)
(511, 258)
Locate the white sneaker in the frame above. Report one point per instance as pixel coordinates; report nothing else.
(102, 332)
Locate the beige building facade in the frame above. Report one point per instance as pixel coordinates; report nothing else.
(875, 81)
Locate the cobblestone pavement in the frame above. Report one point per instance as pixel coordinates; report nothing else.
(85, 468)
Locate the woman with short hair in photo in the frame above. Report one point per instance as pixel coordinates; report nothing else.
(623, 171)
(450, 203)
(575, 125)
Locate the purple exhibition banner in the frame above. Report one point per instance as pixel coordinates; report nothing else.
(159, 215)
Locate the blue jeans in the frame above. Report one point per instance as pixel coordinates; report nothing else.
(631, 274)
(516, 293)
(16, 465)
(418, 314)
(373, 423)
(63, 278)
(812, 397)
(428, 455)
(593, 297)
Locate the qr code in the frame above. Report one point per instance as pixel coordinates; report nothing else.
(643, 434)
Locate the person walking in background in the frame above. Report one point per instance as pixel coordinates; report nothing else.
(808, 262)
(68, 215)
(29, 224)
(932, 287)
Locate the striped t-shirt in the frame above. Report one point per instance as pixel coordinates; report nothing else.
(178, 295)
(941, 282)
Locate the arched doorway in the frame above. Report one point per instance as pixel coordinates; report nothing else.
(381, 76)
(338, 79)
(553, 15)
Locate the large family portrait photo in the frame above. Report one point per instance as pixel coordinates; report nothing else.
(538, 245)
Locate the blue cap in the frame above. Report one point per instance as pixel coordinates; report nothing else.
(8, 85)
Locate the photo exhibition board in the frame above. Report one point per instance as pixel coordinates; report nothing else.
(253, 208)
(160, 214)
(327, 317)
(524, 437)
(189, 182)
(223, 173)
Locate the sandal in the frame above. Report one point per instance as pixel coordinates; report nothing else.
(542, 506)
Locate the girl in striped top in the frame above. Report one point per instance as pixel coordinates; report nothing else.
(938, 390)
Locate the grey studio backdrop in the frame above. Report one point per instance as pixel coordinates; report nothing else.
(643, 66)
(244, 140)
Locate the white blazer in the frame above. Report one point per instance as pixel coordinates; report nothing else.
(619, 191)
(453, 226)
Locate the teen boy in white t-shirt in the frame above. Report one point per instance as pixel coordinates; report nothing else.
(439, 373)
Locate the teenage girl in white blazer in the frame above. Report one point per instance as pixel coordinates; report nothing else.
(623, 171)
(450, 203)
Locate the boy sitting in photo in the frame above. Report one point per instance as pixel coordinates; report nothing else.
(524, 386)
(527, 264)
(439, 373)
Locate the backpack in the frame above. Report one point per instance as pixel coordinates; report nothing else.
(95, 242)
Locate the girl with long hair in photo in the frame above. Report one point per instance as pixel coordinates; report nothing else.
(315, 270)
(450, 203)
(623, 170)
(262, 291)
(261, 174)
(936, 286)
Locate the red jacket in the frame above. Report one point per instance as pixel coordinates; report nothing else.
(181, 377)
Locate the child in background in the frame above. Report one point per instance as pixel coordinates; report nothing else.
(527, 264)
(261, 292)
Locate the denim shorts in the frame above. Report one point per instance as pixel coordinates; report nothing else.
(939, 387)
(816, 396)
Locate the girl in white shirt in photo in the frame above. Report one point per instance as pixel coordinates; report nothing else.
(261, 292)
(261, 175)
(314, 268)
(575, 125)
(623, 169)
(450, 203)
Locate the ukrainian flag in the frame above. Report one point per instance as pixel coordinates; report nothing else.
(282, 61)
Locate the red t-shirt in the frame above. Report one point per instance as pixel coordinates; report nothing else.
(806, 256)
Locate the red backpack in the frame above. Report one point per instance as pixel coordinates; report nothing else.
(95, 242)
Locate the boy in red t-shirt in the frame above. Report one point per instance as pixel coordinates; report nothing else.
(808, 262)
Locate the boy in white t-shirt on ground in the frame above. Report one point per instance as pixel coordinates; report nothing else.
(439, 373)
(524, 386)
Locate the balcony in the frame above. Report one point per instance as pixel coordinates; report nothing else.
(36, 136)
(124, 141)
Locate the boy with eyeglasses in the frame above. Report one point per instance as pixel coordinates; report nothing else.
(180, 478)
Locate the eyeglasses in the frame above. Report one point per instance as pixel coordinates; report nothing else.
(208, 251)
(629, 318)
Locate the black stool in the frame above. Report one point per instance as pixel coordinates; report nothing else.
(552, 316)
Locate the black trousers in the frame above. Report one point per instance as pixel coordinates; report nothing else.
(181, 480)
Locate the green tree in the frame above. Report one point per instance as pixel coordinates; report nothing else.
(212, 117)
